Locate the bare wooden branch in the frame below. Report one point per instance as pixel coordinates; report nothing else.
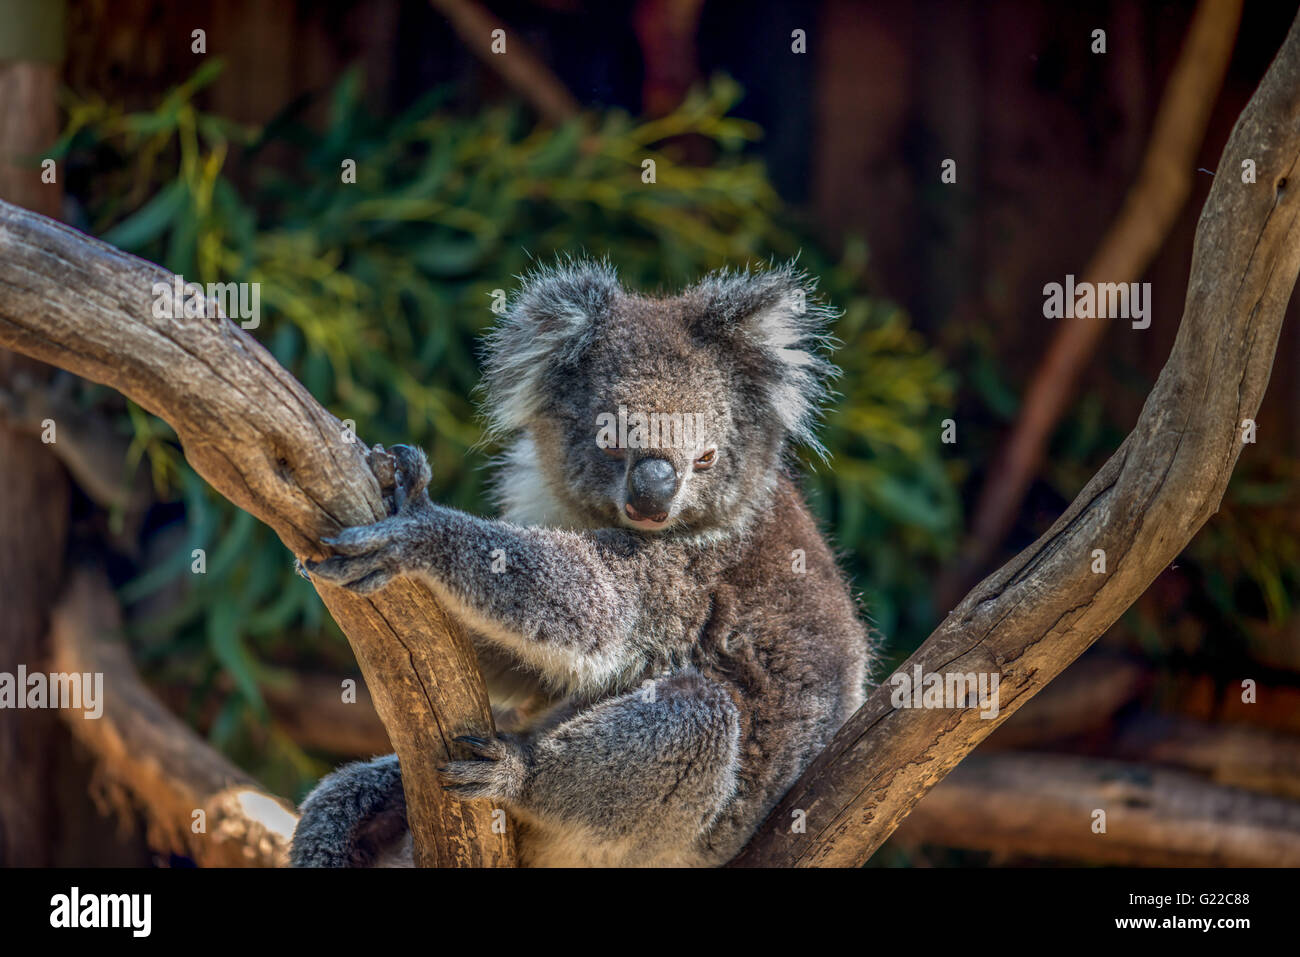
(260, 439)
(1045, 806)
(143, 750)
(1029, 620)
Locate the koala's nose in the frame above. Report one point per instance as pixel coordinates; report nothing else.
(650, 487)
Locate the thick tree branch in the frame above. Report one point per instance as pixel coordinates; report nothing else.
(1040, 611)
(260, 439)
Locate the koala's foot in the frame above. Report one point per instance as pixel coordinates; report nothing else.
(370, 556)
(499, 770)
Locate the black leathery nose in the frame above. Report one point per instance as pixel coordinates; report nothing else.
(651, 485)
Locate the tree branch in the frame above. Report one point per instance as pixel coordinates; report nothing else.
(1029, 620)
(260, 439)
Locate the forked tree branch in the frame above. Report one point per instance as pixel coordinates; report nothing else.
(261, 440)
(256, 435)
(1038, 613)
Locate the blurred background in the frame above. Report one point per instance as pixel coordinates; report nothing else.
(210, 137)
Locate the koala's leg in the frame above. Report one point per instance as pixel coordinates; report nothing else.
(636, 779)
(351, 817)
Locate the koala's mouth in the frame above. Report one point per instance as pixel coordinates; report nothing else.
(644, 522)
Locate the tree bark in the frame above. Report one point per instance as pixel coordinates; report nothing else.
(260, 439)
(1033, 617)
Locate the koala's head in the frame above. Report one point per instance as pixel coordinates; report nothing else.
(659, 414)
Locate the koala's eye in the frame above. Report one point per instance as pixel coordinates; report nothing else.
(706, 460)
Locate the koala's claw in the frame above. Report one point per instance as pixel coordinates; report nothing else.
(496, 772)
(403, 473)
(413, 472)
(369, 557)
(384, 468)
(361, 573)
(363, 539)
(487, 750)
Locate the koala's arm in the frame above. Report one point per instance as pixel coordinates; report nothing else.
(558, 600)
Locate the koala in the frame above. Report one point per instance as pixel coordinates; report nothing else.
(656, 603)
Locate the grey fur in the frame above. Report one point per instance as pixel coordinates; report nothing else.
(673, 682)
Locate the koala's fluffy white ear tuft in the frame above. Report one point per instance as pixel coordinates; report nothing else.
(551, 318)
(782, 336)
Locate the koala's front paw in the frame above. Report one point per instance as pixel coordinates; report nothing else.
(370, 556)
(403, 472)
(497, 772)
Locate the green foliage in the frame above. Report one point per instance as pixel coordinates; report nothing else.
(375, 293)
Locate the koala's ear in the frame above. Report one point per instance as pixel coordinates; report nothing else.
(779, 336)
(551, 319)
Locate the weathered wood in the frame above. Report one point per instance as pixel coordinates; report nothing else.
(143, 751)
(1045, 806)
(1033, 617)
(260, 439)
